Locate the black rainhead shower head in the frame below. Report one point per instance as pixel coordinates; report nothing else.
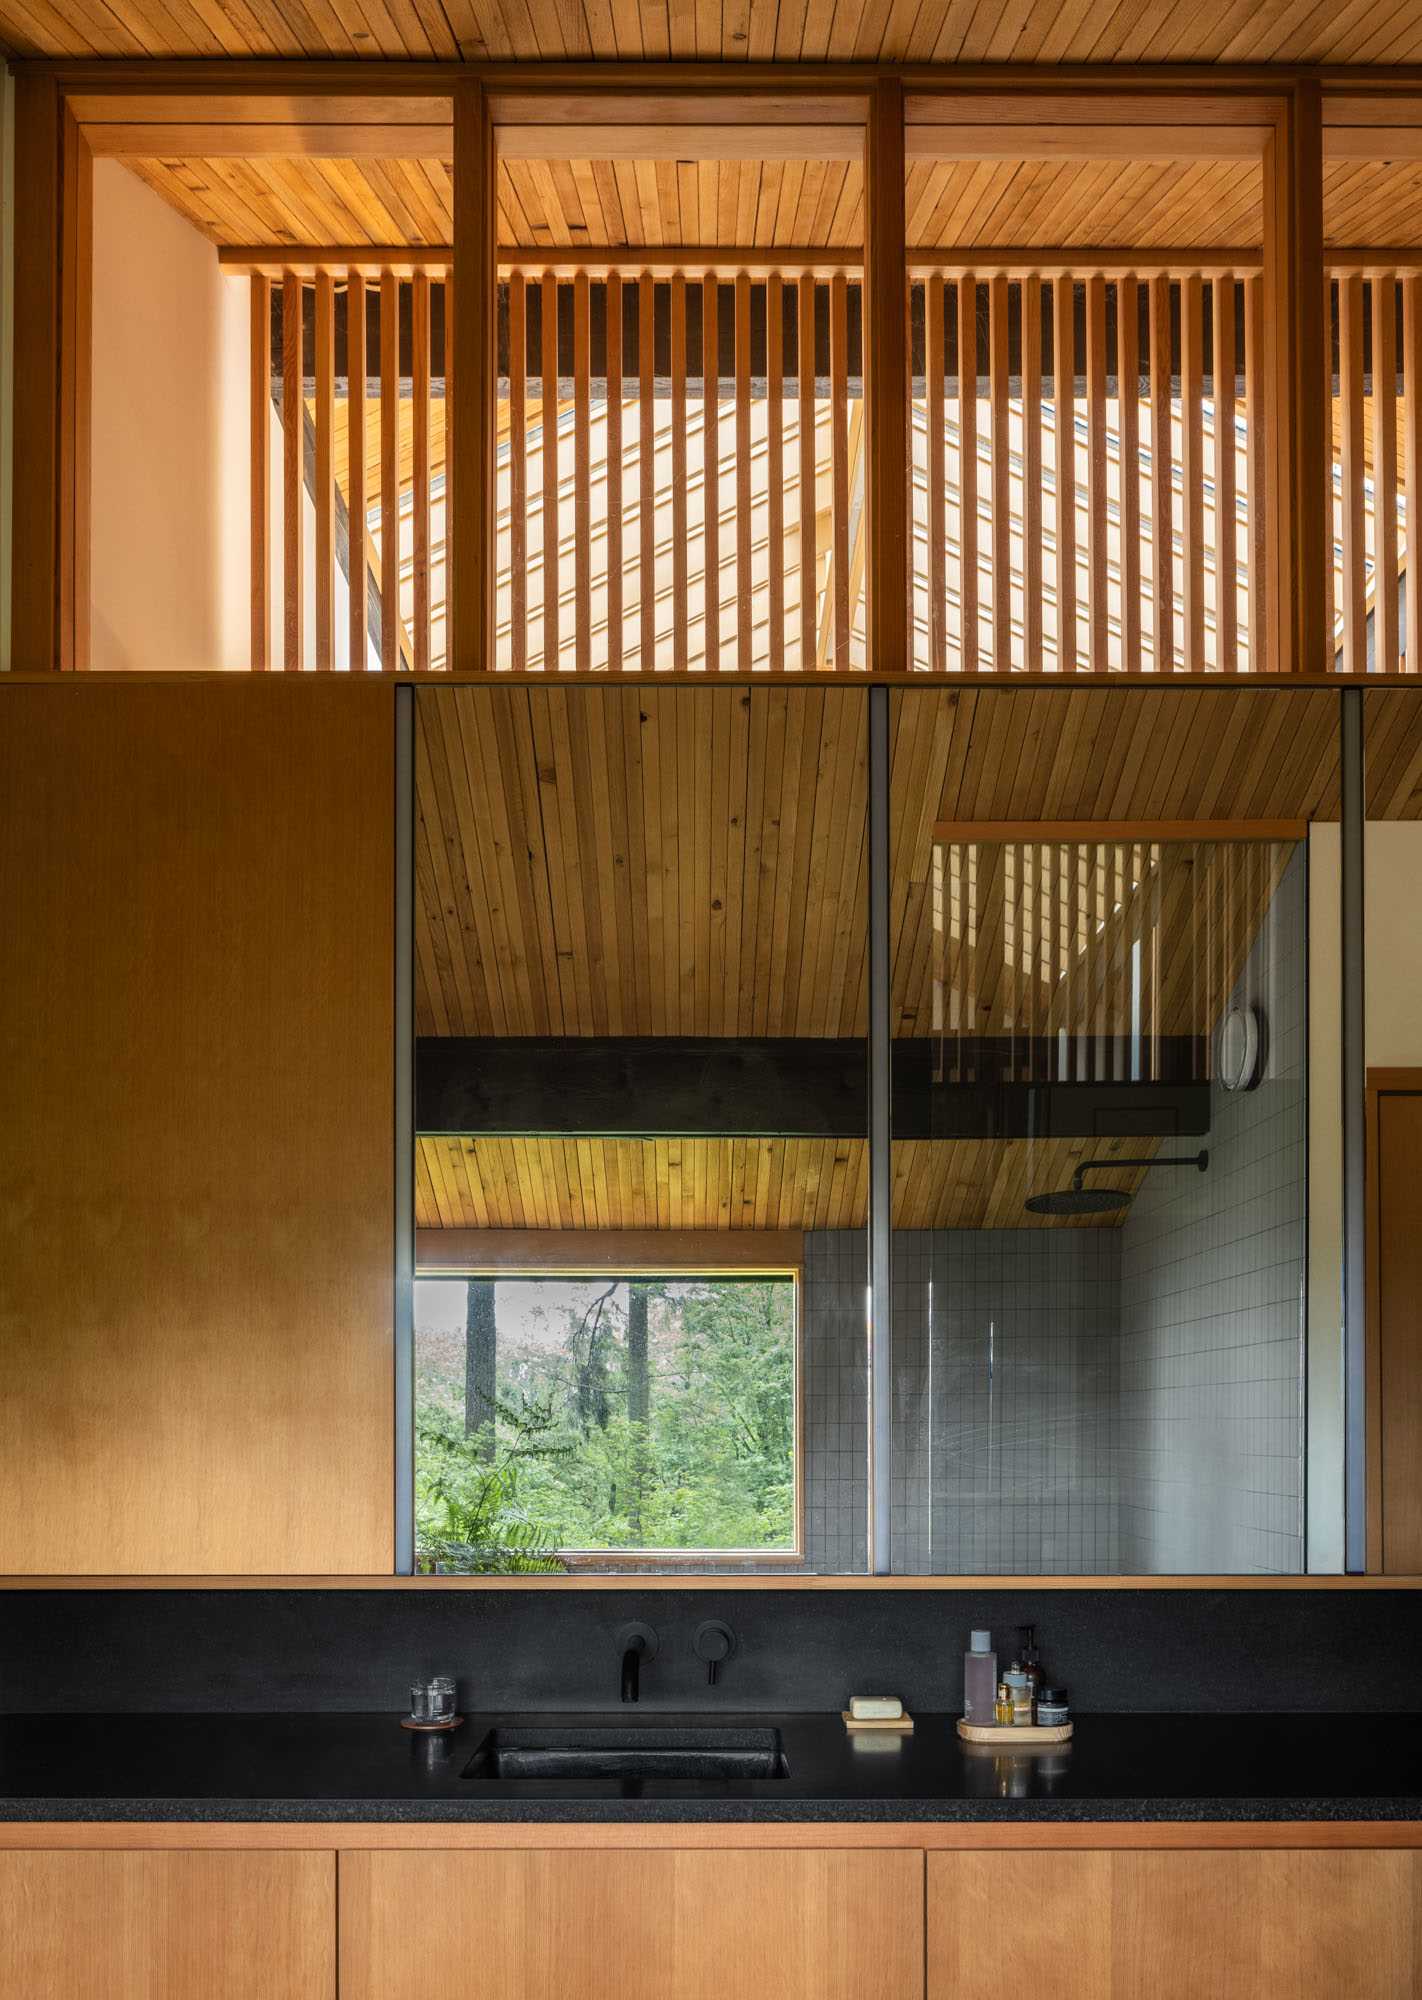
(1079, 1199)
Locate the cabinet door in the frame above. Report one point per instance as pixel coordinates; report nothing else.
(197, 1165)
(169, 1926)
(619, 1926)
(1175, 1926)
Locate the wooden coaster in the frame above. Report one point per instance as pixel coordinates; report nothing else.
(896, 1725)
(1024, 1738)
(431, 1728)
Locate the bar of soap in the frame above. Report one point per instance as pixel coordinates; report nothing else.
(875, 1707)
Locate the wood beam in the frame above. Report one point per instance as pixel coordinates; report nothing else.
(562, 141)
(471, 362)
(1295, 311)
(703, 1251)
(886, 379)
(223, 141)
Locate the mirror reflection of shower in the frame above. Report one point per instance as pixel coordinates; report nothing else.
(1079, 1199)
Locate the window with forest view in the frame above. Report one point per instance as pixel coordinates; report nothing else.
(602, 1415)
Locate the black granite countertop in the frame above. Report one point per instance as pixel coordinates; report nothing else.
(336, 1767)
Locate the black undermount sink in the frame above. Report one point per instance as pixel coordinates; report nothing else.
(620, 1753)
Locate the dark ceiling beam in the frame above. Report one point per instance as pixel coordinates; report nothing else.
(703, 1087)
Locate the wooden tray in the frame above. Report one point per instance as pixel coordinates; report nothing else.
(1025, 1736)
(888, 1725)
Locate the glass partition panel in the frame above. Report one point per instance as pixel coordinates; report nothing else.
(641, 1330)
(1100, 1104)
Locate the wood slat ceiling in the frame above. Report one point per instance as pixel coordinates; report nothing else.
(690, 861)
(641, 861)
(1372, 201)
(1144, 203)
(1172, 31)
(296, 200)
(950, 204)
(813, 202)
(745, 1183)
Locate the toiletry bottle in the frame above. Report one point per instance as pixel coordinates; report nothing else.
(1002, 1714)
(1052, 1708)
(979, 1680)
(1031, 1659)
(1019, 1690)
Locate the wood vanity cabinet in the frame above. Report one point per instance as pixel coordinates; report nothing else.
(1182, 1925)
(606, 1925)
(196, 1086)
(177, 1926)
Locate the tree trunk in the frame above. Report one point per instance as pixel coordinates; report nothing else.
(480, 1359)
(639, 1394)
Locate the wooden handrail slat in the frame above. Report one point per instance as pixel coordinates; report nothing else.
(1192, 467)
(1256, 461)
(389, 472)
(681, 646)
(1098, 524)
(614, 474)
(839, 433)
(1223, 367)
(260, 490)
(325, 483)
(744, 581)
(1412, 463)
(1354, 541)
(934, 308)
(1128, 387)
(548, 427)
(998, 383)
(293, 426)
(518, 473)
(647, 472)
(1064, 410)
(1385, 605)
(356, 509)
(805, 446)
(1032, 473)
(775, 464)
(968, 472)
(582, 479)
(420, 468)
(1162, 477)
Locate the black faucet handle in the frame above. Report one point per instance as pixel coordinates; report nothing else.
(713, 1643)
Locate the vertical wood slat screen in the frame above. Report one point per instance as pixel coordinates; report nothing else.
(645, 526)
(1061, 522)
(1376, 395)
(336, 585)
(1069, 961)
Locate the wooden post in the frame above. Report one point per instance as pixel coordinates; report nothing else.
(389, 472)
(470, 415)
(420, 462)
(1295, 314)
(886, 380)
(1384, 297)
(1355, 553)
(76, 358)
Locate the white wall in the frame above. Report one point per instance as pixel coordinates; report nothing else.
(170, 443)
(1392, 1039)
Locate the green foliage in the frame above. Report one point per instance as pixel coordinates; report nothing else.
(469, 1514)
(711, 1468)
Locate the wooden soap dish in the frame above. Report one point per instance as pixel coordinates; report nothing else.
(431, 1728)
(896, 1725)
(1026, 1737)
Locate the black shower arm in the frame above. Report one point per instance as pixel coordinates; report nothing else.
(1200, 1160)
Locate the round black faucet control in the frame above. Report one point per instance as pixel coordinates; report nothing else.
(714, 1643)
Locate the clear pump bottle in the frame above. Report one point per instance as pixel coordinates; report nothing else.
(980, 1680)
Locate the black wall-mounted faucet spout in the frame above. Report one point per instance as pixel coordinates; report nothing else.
(638, 1643)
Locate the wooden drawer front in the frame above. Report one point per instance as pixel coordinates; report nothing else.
(175, 1926)
(1176, 1926)
(609, 1926)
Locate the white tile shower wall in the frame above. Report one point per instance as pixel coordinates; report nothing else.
(1212, 1307)
(1005, 1346)
(835, 1420)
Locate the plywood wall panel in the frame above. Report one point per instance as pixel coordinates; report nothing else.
(196, 1041)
